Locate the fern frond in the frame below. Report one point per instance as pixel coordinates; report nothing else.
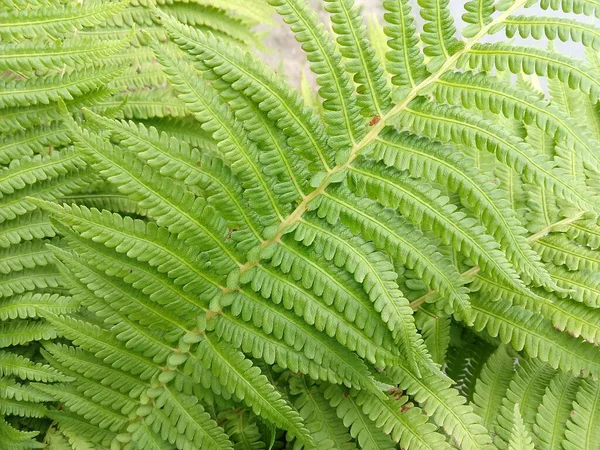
(326, 428)
(436, 332)
(226, 131)
(446, 407)
(37, 140)
(373, 92)
(240, 270)
(60, 18)
(462, 127)
(492, 384)
(341, 113)
(405, 62)
(269, 93)
(553, 28)
(436, 164)
(588, 8)
(525, 392)
(242, 377)
(482, 92)
(566, 315)
(403, 422)
(17, 440)
(74, 52)
(438, 32)
(53, 88)
(533, 61)
(555, 410)
(581, 431)
(97, 414)
(389, 232)
(539, 339)
(191, 420)
(426, 207)
(519, 439)
(478, 14)
(361, 428)
(15, 365)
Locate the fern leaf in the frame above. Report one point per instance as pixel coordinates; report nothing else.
(525, 391)
(341, 113)
(589, 8)
(72, 53)
(176, 159)
(81, 362)
(436, 332)
(361, 427)
(405, 61)
(326, 428)
(524, 330)
(242, 377)
(438, 31)
(103, 345)
(432, 212)
(28, 171)
(519, 439)
(60, 18)
(581, 431)
(72, 424)
(555, 409)
(16, 365)
(483, 92)
(16, 439)
(560, 251)
(478, 14)
(492, 384)
(575, 318)
(26, 305)
(583, 287)
(141, 310)
(458, 125)
(191, 420)
(389, 232)
(436, 164)
(95, 413)
(348, 370)
(36, 140)
(14, 119)
(446, 407)
(373, 92)
(553, 28)
(586, 233)
(217, 119)
(18, 332)
(405, 423)
(269, 93)
(176, 210)
(28, 227)
(529, 61)
(53, 88)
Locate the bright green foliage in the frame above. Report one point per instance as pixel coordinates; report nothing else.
(520, 439)
(82, 54)
(404, 257)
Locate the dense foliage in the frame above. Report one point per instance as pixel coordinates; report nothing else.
(195, 256)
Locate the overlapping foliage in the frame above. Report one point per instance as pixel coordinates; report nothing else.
(89, 54)
(412, 261)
